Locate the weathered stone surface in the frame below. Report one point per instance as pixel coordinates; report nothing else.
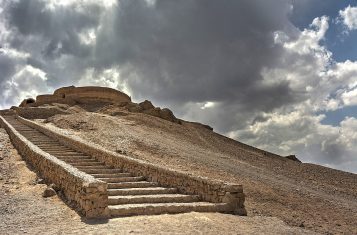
(40, 181)
(153, 112)
(6, 112)
(146, 105)
(38, 112)
(55, 187)
(293, 158)
(49, 192)
(167, 115)
(135, 108)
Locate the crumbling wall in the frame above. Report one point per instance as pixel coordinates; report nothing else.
(90, 94)
(73, 95)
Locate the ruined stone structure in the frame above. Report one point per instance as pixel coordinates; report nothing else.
(78, 95)
(91, 99)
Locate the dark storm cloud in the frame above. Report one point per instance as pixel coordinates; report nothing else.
(58, 28)
(172, 52)
(7, 67)
(197, 50)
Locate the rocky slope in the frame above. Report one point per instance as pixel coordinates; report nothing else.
(306, 195)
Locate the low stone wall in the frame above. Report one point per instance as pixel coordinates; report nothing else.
(38, 112)
(7, 112)
(89, 194)
(209, 190)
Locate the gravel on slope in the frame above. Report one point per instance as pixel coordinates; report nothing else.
(311, 196)
(23, 210)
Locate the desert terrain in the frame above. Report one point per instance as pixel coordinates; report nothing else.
(23, 210)
(283, 196)
(303, 195)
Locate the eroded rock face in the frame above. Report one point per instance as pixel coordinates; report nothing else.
(146, 105)
(167, 114)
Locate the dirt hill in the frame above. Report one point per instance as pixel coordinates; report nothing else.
(305, 196)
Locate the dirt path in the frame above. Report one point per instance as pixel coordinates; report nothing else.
(23, 210)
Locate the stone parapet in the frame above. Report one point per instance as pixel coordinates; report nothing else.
(87, 193)
(209, 190)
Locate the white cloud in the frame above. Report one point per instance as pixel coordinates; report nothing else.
(309, 39)
(323, 85)
(349, 17)
(350, 97)
(208, 104)
(106, 78)
(26, 82)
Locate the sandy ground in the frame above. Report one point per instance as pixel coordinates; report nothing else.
(23, 210)
(306, 195)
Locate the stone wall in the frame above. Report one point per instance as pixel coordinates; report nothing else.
(73, 95)
(7, 112)
(209, 190)
(50, 99)
(38, 112)
(88, 194)
(88, 94)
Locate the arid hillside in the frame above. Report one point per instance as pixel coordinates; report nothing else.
(23, 210)
(305, 195)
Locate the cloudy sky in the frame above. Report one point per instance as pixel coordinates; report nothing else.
(278, 74)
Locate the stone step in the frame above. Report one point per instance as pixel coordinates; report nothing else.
(77, 160)
(110, 175)
(54, 145)
(161, 208)
(31, 137)
(140, 184)
(60, 150)
(81, 164)
(155, 198)
(141, 191)
(67, 154)
(49, 142)
(35, 135)
(43, 140)
(92, 167)
(122, 179)
(102, 171)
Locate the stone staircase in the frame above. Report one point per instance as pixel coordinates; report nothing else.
(127, 194)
